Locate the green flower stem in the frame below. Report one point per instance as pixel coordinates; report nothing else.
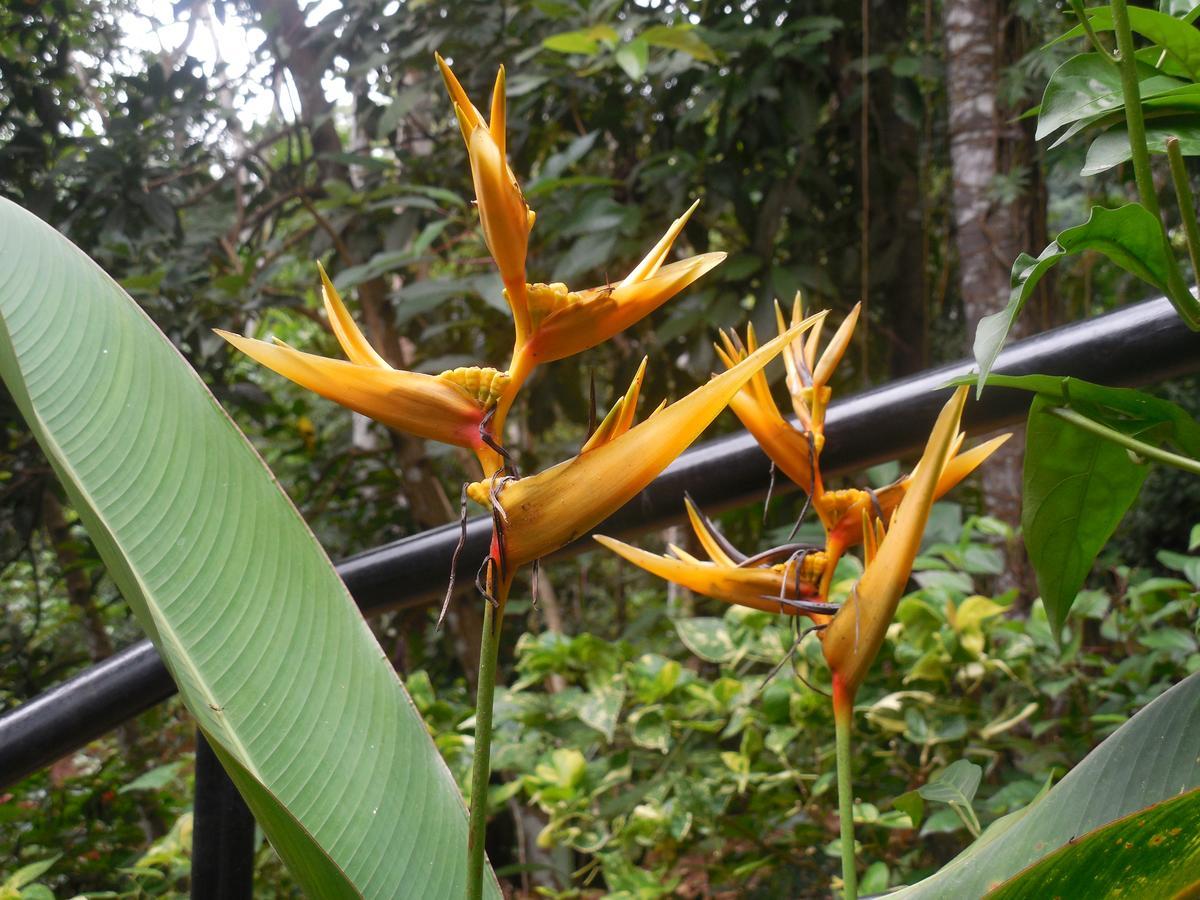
(1187, 206)
(1086, 22)
(1148, 451)
(1133, 107)
(1180, 296)
(481, 763)
(843, 720)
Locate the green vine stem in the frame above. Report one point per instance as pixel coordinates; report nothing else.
(1141, 448)
(481, 762)
(1180, 296)
(1093, 38)
(843, 721)
(1187, 206)
(1131, 94)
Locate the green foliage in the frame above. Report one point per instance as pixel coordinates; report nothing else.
(1077, 487)
(1157, 849)
(174, 497)
(686, 762)
(1147, 761)
(1129, 236)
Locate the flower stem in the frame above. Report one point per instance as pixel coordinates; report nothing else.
(843, 720)
(1187, 205)
(1177, 292)
(481, 764)
(1133, 107)
(1141, 448)
(1086, 22)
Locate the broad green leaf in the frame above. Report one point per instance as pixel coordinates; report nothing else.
(679, 37)
(601, 708)
(1112, 147)
(649, 728)
(957, 783)
(633, 58)
(1155, 852)
(1077, 488)
(912, 805)
(270, 654)
(707, 637)
(1180, 101)
(586, 41)
(1177, 37)
(1150, 758)
(1123, 409)
(1086, 86)
(1129, 236)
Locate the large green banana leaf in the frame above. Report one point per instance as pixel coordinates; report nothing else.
(266, 645)
(1153, 757)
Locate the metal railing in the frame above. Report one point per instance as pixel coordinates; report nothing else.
(1140, 344)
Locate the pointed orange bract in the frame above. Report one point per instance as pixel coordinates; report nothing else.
(428, 406)
(544, 512)
(767, 588)
(503, 213)
(565, 322)
(852, 640)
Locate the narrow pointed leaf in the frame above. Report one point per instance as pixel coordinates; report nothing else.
(1129, 236)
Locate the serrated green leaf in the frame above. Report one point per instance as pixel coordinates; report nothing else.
(1150, 758)
(269, 651)
(1077, 488)
(1130, 236)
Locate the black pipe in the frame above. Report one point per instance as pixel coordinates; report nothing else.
(222, 833)
(1139, 344)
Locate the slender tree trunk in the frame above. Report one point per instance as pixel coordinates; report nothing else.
(991, 226)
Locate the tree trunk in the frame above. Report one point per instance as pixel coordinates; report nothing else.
(991, 226)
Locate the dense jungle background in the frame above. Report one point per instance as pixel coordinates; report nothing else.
(206, 152)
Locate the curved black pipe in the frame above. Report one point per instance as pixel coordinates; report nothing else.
(1136, 345)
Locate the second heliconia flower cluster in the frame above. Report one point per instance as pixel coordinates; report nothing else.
(795, 579)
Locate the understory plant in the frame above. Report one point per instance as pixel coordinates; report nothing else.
(1088, 446)
(532, 515)
(291, 690)
(795, 579)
